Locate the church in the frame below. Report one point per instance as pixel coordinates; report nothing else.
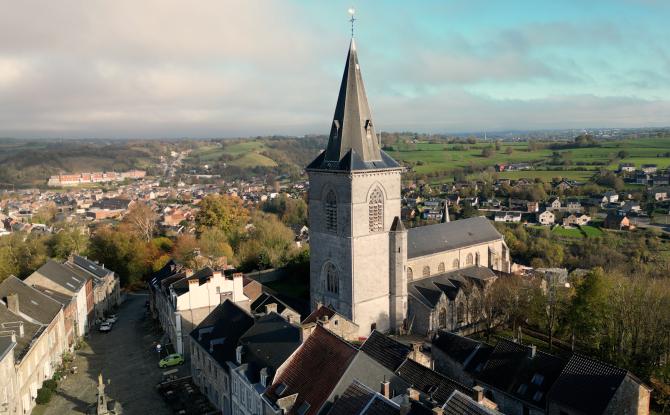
(363, 261)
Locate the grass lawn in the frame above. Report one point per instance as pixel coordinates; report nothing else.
(591, 231)
(567, 233)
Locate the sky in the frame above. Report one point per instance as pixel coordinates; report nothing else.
(226, 68)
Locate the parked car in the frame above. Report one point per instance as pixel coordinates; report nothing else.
(172, 360)
(112, 319)
(105, 327)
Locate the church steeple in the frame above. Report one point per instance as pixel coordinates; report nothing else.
(353, 143)
(352, 127)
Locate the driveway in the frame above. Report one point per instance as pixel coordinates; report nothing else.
(126, 357)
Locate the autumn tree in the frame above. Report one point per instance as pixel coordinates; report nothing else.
(142, 220)
(223, 212)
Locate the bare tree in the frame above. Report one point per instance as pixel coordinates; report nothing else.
(142, 219)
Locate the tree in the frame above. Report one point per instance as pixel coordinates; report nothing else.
(487, 152)
(214, 243)
(268, 244)
(66, 242)
(223, 212)
(588, 308)
(186, 249)
(142, 220)
(124, 252)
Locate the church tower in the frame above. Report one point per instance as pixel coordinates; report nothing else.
(354, 197)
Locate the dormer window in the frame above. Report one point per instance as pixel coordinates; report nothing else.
(368, 128)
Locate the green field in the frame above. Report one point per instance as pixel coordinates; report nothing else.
(576, 163)
(547, 175)
(244, 154)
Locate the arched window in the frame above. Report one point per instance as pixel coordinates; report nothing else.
(440, 268)
(330, 207)
(460, 313)
(442, 319)
(468, 260)
(426, 271)
(332, 280)
(376, 211)
(410, 274)
(456, 264)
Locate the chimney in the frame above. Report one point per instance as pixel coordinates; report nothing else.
(21, 330)
(413, 394)
(13, 303)
(270, 308)
(264, 377)
(239, 351)
(438, 411)
(533, 351)
(478, 394)
(238, 286)
(386, 389)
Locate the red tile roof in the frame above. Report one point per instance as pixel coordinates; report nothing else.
(323, 353)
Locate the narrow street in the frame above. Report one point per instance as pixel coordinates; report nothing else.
(126, 357)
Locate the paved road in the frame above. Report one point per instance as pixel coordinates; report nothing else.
(126, 357)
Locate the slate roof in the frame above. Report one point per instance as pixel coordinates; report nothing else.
(429, 289)
(98, 270)
(512, 369)
(170, 268)
(34, 304)
(30, 330)
(426, 240)
(323, 353)
(319, 314)
(59, 274)
(352, 143)
(358, 399)
(352, 162)
(586, 385)
(388, 352)
(459, 348)
(228, 322)
(6, 346)
(461, 404)
(429, 382)
(268, 343)
(258, 306)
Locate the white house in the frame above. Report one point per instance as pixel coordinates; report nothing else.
(546, 218)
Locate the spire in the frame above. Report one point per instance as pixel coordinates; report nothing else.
(352, 127)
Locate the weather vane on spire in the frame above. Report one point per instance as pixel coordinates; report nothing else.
(352, 13)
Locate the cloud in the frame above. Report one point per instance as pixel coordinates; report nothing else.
(212, 68)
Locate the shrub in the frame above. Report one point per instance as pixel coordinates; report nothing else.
(43, 396)
(50, 384)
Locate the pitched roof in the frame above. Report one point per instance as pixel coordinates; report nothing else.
(459, 348)
(388, 352)
(60, 274)
(319, 314)
(513, 369)
(220, 331)
(461, 404)
(90, 266)
(323, 353)
(34, 304)
(30, 330)
(268, 343)
(429, 382)
(586, 385)
(358, 399)
(428, 290)
(426, 240)
(353, 142)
